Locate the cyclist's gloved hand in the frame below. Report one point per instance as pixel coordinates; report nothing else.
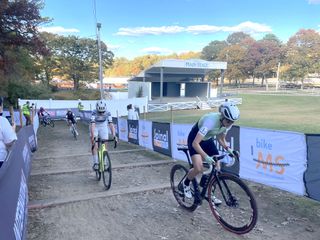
(209, 159)
(236, 153)
(230, 151)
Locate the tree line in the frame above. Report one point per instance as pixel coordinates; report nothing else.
(28, 56)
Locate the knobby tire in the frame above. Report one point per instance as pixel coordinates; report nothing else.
(177, 175)
(238, 212)
(107, 173)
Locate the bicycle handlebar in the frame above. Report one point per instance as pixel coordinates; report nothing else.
(115, 140)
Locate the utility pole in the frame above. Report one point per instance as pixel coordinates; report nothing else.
(278, 72)
(100, 61)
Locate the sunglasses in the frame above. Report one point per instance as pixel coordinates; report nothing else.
(229, 121)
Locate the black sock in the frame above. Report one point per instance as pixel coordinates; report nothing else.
(186, 181)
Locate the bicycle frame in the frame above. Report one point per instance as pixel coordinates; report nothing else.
(212, 174)
(101, 150)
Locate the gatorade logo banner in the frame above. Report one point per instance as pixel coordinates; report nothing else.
(273, 158)
(123, 129)
(161, 138)
(133, 131)
(145, 136)
(180, 134)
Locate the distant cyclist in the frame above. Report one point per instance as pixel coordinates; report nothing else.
(71, 119)
(101, 126)
(43, 114)
(201, 144)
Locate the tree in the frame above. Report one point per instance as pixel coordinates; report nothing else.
(18, 40)
(77, 58)
(302, 55)
(234, 55)
(239, 38)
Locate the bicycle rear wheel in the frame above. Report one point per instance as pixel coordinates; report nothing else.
(177, 175)
(107, 173)
(238, 212)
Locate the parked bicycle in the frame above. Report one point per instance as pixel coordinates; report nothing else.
(237, 212)
(104, 168)
(47, 120)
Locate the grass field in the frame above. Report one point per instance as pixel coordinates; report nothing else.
(290, 113)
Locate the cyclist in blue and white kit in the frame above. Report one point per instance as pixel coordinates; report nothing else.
(201, 144)
(100, 127)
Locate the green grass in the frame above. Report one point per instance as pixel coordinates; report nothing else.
(289, 113)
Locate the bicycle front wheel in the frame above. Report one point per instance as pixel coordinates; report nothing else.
(51, 122)
(177, 175)
(107, 173)
(238, 212)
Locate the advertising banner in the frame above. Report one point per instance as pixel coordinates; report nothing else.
(312, 176)
(145, 136)
(133, 131)
(273, 158)
(115, 123)
(123, 129)
(179, 133)
(14, 175)
(161, 138)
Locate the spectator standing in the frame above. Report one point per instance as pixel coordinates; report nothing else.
(26, 112)
(132, 114)
(80, 106)
(7, 137)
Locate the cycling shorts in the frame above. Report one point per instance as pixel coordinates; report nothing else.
(208, 146)
(102, 131)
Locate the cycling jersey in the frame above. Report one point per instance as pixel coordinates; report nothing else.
(71, 117)
(101, 121)
(210, 125)
(99, 118)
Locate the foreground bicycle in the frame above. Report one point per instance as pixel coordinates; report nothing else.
(104, 167)
(73, 130)
(237, 212)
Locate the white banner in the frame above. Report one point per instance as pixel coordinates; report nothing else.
(123, 129)
(273, 158)
(145, 134)
(179, 136)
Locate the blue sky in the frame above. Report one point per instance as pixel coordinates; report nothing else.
(133, 28)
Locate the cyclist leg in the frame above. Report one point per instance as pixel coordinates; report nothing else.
(75, 126)
(94, 150)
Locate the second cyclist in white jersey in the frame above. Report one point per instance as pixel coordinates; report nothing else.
(101, 126)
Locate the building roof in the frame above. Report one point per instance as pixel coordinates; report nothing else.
(176, 70)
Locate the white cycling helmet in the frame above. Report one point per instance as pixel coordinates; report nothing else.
(101, 106)
(229, 111)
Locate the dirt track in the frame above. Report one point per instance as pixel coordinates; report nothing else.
(66, 202)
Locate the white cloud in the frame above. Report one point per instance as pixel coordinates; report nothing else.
(314, 1)
(156, 50)
(58, 30)
(138, 31)
(247, 27)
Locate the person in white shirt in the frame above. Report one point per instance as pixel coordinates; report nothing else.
(132, 114)
(7, 137)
